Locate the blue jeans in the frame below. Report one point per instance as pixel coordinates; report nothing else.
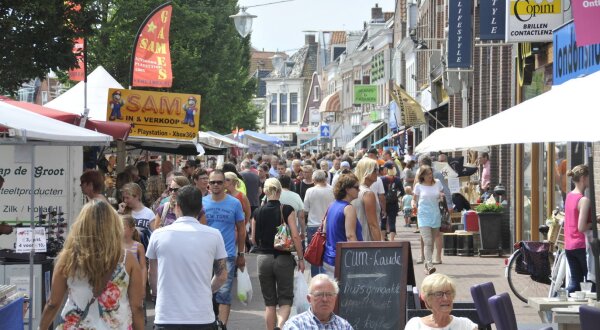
(578, 267)
(223, 296)
(314, 270)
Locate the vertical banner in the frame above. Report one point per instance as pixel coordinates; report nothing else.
(78, 74)
(532, 20)
(151, 58)
(572, 60)
(492, 18)
(586, 14)
(460, 34)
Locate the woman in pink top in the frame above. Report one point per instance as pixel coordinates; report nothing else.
(577, 221)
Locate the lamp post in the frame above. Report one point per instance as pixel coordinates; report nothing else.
(243, 19)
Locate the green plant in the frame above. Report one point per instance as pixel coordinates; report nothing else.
(485, 208)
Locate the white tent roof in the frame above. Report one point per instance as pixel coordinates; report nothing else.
(29, 126)
(364, 134)
(99, 81)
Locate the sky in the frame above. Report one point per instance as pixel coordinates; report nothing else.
(279, 26)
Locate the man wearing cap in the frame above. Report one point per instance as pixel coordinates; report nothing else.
(343, 166)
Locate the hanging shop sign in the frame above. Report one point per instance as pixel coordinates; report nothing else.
(586, 14)
(365, 94)
(460, 34)
(492, 19)
(155, 114)
(570, 59)
(532, 20)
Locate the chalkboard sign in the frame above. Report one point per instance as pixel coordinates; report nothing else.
(373, 277)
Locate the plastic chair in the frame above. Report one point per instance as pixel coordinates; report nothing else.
(589, 317)
(481, 293)
(502, 312)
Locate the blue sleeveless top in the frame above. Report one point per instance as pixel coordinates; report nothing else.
(336, 230)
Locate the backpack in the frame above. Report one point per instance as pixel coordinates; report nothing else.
(391, 193)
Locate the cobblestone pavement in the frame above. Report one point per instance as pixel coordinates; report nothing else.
(466, 271)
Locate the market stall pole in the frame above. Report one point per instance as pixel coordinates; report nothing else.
(595, 243)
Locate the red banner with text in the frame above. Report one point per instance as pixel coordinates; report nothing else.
(78, 74)
(152, 56)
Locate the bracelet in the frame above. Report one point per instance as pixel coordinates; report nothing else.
(300, 259)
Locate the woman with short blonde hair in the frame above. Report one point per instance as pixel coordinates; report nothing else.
(97, 274)
(231, 184)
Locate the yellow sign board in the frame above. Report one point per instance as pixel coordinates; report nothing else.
(155, 114)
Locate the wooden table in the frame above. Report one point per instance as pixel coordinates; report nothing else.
(566, 321)
(543, 305)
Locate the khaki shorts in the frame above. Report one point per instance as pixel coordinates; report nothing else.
(276, 276)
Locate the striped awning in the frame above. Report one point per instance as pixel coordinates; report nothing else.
(308, 141)
(331, 103)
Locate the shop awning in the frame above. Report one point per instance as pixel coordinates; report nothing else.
(387, 137)
(447, 139)
(119, 131)
(218, 140)
(308, 141)
(262, 137)
(331, 103)
(363, 135)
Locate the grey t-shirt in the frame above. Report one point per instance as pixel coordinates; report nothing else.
(252, 182)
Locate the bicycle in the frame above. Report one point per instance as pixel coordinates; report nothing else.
(528, 269)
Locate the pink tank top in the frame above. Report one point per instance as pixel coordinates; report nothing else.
(573, 238)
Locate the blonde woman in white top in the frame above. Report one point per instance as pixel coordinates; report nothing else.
(367, 208)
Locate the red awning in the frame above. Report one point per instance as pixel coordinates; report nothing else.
(119, 131)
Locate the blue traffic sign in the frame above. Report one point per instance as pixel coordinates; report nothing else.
(324, 131)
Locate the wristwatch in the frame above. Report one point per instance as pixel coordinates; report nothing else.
(240, 254)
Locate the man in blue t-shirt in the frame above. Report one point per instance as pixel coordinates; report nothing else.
(225, 213)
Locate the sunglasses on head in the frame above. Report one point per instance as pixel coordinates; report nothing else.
(219, 182)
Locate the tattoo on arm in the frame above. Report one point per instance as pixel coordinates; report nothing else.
(219, 266)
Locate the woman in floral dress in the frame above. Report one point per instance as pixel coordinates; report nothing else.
(102, 281)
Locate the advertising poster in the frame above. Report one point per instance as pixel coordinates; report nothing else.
(152, 56)
(532, 20)
(587, 16)
(155, 114)
(460, 34)
(492, 18)
(365, 94)
(570, 59)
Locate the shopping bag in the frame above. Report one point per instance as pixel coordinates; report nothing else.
(244, 286)
(300, 293)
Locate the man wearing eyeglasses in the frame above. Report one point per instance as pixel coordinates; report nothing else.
(225, 213)
(323, 291)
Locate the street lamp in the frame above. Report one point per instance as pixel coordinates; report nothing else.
(243, 22)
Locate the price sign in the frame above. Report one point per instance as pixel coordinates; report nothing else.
(26, 239)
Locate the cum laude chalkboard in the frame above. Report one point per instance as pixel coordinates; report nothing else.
(373, 277)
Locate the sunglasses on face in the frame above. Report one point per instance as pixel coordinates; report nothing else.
(220, 182)
(173, 189)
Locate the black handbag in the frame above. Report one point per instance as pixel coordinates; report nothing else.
(446, 225)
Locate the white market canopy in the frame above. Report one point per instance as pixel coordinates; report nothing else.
(363, 135)
(218, 140)
(29, 127)
(98, 83)
(568, 112)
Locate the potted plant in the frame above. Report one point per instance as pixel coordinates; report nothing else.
(490, 227)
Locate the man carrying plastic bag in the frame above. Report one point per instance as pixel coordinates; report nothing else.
(244, 286)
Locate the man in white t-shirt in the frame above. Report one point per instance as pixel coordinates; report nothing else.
(183, 258)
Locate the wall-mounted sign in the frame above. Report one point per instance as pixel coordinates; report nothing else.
(492, 19)
(365, 94)
(586, 14)
(532, 20)
(155, 114)
(571, 61)
(460, 34)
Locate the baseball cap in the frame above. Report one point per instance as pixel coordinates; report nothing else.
(388, 164)
(345, 164)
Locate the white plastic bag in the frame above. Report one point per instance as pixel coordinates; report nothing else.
(244, 286)
(300, 293)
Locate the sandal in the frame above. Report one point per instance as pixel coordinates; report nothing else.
(429, 270)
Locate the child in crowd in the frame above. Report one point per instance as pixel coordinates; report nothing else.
(406, 206)
(131, 243)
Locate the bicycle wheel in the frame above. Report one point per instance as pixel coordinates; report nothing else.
(559, 271)
(521, 284)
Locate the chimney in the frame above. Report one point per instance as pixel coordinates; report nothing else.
(309, 39)
(377, 14)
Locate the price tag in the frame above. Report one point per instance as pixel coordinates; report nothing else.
(26, 239)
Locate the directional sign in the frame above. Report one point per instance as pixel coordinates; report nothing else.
(324, 131)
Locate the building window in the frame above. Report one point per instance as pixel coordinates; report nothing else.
(283, 108)
(316, 93)
(294, 107)
(273, 109)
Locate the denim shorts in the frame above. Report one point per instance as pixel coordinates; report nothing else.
(224, 296)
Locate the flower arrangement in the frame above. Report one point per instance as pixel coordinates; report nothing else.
(487, 208)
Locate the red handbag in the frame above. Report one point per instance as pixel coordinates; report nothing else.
(316, 248)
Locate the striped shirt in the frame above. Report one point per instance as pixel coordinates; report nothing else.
(308, 320)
